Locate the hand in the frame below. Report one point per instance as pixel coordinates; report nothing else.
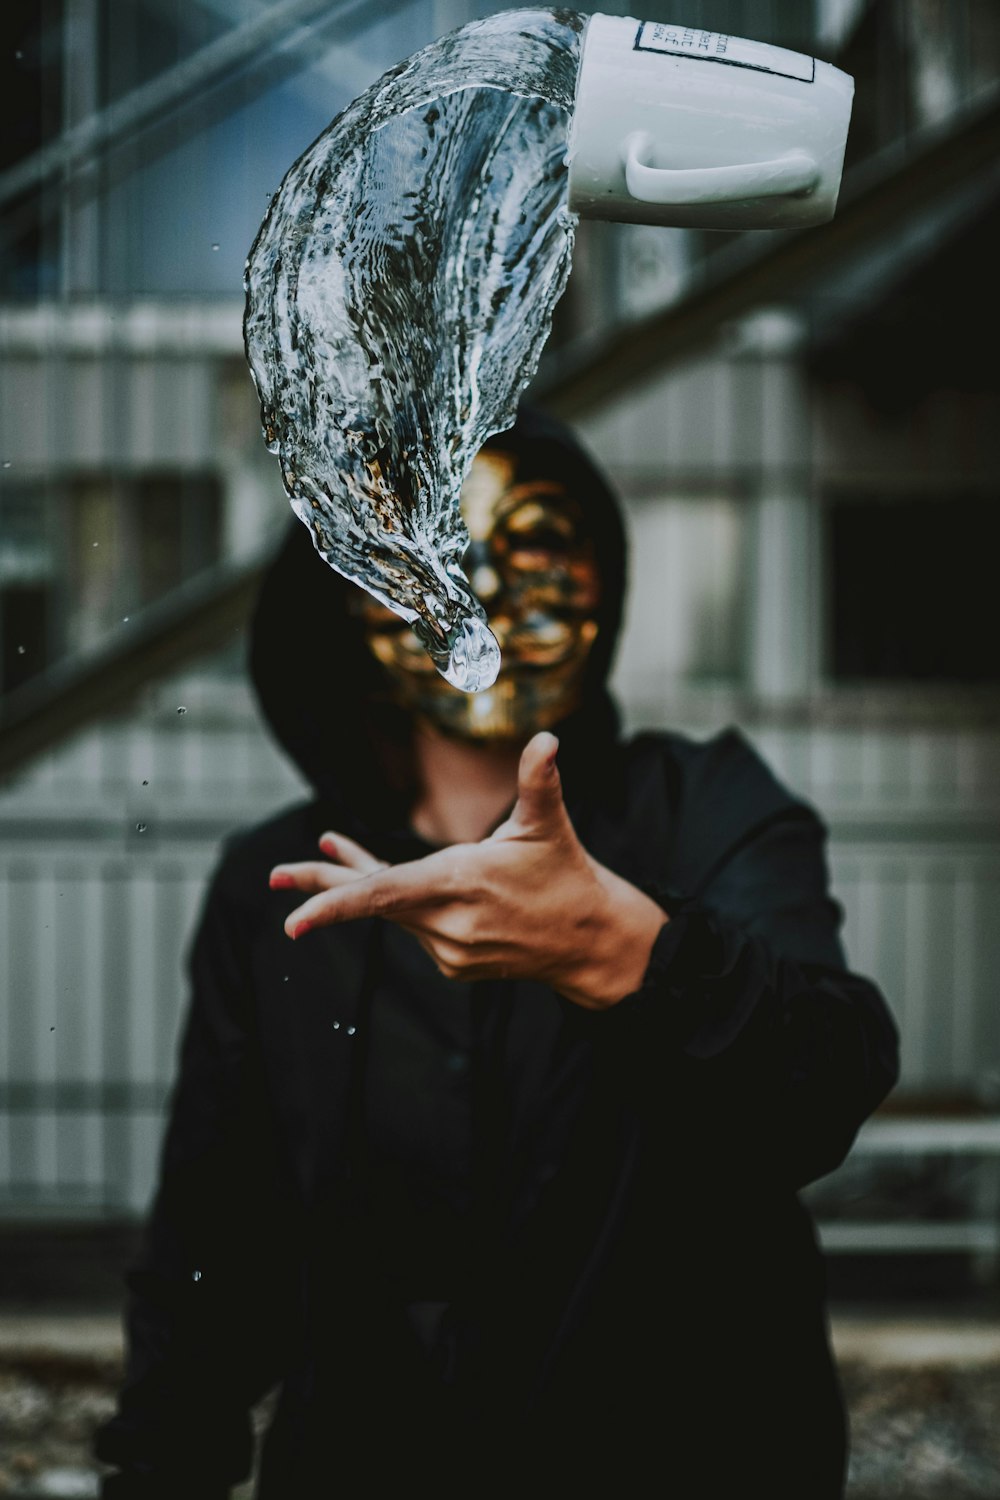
(528, 902)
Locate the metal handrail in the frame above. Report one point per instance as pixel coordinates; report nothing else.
(202, 615)
(206, 611)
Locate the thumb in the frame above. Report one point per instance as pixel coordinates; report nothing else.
(539, 789)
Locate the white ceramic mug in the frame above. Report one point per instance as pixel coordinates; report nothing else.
(678, 126)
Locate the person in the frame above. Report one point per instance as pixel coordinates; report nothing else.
(507, 1055)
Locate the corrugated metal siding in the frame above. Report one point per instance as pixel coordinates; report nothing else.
(925, 923)
(95, 920)
(96, 992)
(74, 412)
(95, 917)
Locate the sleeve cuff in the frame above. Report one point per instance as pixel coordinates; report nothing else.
(680, 999)
(652, 994)
(669, 942)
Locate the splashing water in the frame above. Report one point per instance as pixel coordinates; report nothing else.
(399, 293)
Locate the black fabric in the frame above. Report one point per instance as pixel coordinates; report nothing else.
(481, 1238)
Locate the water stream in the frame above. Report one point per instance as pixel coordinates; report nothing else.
(399, 293)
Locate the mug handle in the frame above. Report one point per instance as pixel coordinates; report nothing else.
(795, 173)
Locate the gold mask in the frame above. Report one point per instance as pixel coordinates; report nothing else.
(535, 572)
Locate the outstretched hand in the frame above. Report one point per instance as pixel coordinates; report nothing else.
(528, 902)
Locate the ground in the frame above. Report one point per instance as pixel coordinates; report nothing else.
(923, 1394)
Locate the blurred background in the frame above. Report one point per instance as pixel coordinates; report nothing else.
(806, 431)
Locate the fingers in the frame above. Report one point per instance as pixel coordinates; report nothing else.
(318, 875)
(309, 875)
(539, 790)
(386, 892)
(345, 851)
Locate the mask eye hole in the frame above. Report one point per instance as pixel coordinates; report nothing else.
(535, 530)
(545, 539)
(534, 516)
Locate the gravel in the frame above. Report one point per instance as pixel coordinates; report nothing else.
(923, 1408)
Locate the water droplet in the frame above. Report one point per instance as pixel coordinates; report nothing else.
(286, 978)
(6, 463)
(215, 245)
(19, 56)
(95, 544)
(195, 1275)
(336, 1025)
(20, 650)
(351, 1030)
(475, 658)
(124, 619)
(182, 709)
(140, 828)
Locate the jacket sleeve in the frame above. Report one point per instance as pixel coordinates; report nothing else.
(749, 1036)
(204, 1315)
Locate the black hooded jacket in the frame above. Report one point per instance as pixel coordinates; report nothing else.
(479, 1237)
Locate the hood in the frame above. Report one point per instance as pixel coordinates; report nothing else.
(324, 696)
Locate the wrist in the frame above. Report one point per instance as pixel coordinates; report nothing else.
(623, 929)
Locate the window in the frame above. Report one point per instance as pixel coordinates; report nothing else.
(31, 104)
(912, 586)
(58, 590)
(27, 583)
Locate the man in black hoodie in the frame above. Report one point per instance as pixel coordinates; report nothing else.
(493, 1170)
